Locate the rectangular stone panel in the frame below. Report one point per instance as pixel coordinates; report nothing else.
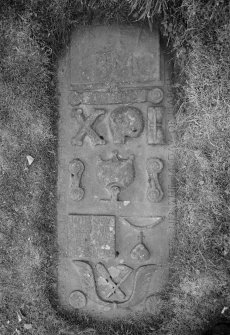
(109, 57)
(91, 236)
(114, 97)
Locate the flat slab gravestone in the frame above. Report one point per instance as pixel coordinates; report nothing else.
(115, 189)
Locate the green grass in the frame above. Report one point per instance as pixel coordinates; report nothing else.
(33, 35)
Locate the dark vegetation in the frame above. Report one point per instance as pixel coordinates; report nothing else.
(33, 34)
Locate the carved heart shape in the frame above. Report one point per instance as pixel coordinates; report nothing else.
(140, 253)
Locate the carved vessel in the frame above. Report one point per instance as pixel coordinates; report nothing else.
(116, 174)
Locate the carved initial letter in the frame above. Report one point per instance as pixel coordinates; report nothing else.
(76, 168)
(154, 166)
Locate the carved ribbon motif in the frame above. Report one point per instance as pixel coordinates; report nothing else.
(76, 169)
(154, 166)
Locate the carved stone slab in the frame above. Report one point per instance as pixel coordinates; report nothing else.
(114, 220)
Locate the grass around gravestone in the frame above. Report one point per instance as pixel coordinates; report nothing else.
(33, 35)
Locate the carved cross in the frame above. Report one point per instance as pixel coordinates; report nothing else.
(85, 127)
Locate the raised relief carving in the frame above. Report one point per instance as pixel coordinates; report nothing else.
(121, 95)
(109, 282)
(114, 96)
(154, 166)
(115, 174)
(75, 98)
(87, 281)
(116, 286)
(91, 236)
(155, 95)
(112, 232)
(140, 252)
(123, 56)
(153, 304)
(125, 122)
(151, 222)
(76, 169)
(142, 279)
(155, 133)
(77, 299)
(85, 127)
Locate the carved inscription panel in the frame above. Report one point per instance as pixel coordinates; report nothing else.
(114, 58)
(115, 189)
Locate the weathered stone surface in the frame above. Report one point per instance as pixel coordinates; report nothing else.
(126, 122)
(140, 253)
(155, 125)
(77, 299)
(120, 55)
(76, 169)
(155, 95)
(154, 304)
(91, 236)
(118, 96)
(115, 174)
(114, 179)
(154, 166)
(85, 127)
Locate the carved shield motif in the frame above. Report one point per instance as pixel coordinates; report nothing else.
(114, 178)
